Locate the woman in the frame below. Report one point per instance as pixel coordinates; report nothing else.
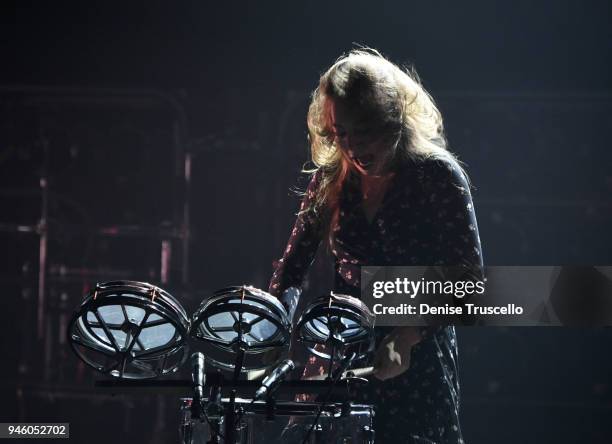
(387, 192)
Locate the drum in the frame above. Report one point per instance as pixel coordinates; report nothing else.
(289, 423)
(130, 330)
(242, 326)
(337, 324)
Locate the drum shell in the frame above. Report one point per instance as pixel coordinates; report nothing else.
(122, 296)
(260, 353)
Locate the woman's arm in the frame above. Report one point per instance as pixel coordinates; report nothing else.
(455, 241)
(290, 270)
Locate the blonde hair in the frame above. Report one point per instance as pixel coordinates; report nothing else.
(396, 102)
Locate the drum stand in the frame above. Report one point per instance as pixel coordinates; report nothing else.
(239, 329)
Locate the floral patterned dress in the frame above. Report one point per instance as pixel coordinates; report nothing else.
(426, 218)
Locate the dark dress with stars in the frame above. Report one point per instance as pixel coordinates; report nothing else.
(426, 218)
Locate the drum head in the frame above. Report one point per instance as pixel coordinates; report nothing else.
(130, 330)
(242, 318)
(339, 322)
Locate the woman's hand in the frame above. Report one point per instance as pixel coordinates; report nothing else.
(392, 357)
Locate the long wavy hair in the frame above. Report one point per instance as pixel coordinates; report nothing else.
(396, 105)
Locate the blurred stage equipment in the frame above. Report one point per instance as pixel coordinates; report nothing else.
(97, 182)
(237, 330)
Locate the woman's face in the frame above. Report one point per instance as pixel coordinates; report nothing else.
(365, 146)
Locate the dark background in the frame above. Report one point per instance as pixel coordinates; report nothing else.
(525, 88)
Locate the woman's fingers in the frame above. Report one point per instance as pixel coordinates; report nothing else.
(391, 360)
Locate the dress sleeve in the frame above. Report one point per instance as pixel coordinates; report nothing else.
(455, 247)
(289, 271)
(455, 241)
